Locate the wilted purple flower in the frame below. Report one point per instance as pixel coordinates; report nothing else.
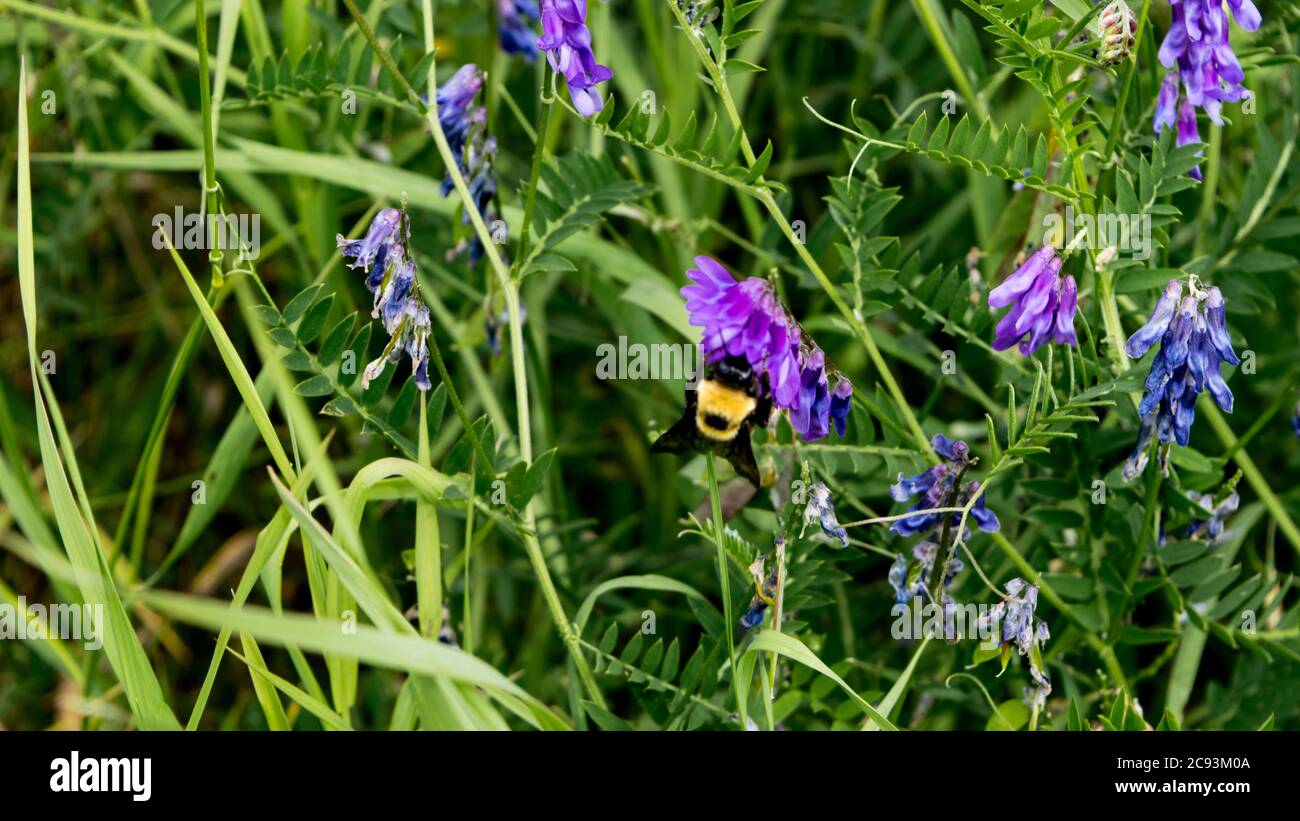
(1197, 44)
(1212, 528)
(1018, 625)
(764, 587)
(935, 486)
(384, 256)
(1016, 614)
(514, 29)
(1043, 304)
(747, 319)
(821, 511)
(567, 43)
(1193, 342)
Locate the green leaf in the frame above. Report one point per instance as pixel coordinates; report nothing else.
(336, 340)
(314, 320)
(520, 491)
(792, 648)
(318, 385)
(301, 302)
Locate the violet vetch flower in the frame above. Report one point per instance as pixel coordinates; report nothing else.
(1197, 46)
(821, 510)
(1295, 419)
(456, 108)
(936, 487)
(567, 43)
(1043, 304)
(384, 255)
(369, 251)
(1194, 340)
(514, 29)
(747, 319)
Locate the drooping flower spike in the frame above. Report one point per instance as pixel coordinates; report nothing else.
(456, 105)
(1043, 304)
(747, 319)
(1193, 336)
(567, 43)
(1197, 46)
(514, 29)
(384, 254)
(464, 123)
(936, 486)
(1018, 625)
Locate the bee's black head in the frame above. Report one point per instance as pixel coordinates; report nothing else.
(734, 372)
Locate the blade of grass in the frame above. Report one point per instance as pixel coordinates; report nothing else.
(121, 645)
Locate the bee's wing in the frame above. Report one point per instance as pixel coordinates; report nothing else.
(741, 455)
(680, 438)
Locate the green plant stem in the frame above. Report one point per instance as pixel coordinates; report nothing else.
(428, 542)
(539, 149)
(937, 30)
(1110, 318)
(724, 581)
(467, 611)
(717, 78)
(1205, 220)
(209, 142)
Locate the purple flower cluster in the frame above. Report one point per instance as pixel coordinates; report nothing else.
(464, 124)
(515, 30)
(1197, 43)
(567, 43)
(1043, 304)
(384, 255)
(937, 488)
(1193, 336)
(747, 319)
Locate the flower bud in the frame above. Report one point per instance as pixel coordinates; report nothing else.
(1118, 33)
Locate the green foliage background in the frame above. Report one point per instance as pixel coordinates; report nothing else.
(888, 269)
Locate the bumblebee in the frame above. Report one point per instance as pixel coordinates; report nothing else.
(719, 414)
